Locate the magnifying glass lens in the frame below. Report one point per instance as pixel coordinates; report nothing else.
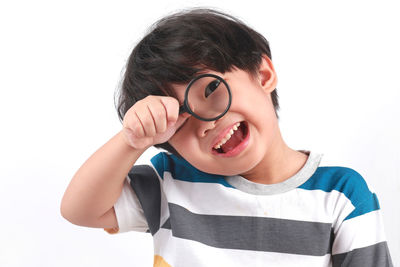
(208, 97)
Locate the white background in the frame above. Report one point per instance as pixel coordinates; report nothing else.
(61, 61)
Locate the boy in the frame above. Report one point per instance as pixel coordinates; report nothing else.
(230, 192)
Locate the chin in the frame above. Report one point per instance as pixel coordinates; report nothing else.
(226, 169)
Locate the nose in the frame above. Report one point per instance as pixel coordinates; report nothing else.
(204, 127)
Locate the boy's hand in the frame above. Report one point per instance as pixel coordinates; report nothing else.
(152, 120)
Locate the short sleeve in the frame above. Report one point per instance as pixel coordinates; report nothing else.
(129, 213)
(359, 237)
(139, 206)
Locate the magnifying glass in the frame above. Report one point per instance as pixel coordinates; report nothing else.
(207, 97)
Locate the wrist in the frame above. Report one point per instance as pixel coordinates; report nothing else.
(124, 139)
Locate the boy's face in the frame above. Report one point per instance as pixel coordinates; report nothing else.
(238, 142)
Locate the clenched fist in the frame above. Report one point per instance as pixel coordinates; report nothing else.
(152, 120)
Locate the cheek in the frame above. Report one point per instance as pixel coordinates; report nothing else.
(184, 142)
(187, 146)
(250, 94)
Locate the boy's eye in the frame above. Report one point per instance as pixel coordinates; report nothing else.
(210, 88)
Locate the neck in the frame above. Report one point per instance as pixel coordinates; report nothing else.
(279, 164)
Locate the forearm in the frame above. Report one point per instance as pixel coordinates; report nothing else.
(98, 183)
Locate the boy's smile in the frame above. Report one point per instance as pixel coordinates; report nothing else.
(232, 140)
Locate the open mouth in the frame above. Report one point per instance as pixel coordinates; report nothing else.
(233, 139)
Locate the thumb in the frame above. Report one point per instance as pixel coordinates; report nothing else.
(173, 126)
(179, 122)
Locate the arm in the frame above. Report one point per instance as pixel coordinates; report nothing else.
(92, 192)
(359, 234)
(96, 186)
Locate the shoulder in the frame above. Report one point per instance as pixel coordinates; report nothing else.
(348, 182)
(166, 162)
(178, 168)
(342, 179)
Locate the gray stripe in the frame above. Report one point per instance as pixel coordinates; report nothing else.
(373, 256)
(296, 180)
(145, 183)
(252, 233)
(167, 224)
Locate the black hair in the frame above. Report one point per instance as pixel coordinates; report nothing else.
(182, 44)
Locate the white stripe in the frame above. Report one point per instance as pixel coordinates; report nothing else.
(182, 253)
(297, 204)
(129, 212)
(358, 232)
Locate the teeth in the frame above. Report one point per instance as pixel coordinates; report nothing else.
(227, 136)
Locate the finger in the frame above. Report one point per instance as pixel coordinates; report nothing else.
(171, 106)
(159, 115)
(149, 123)
(133, 124)
(146, 120)
(180, 121)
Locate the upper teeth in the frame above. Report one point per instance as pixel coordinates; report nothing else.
(227, 136)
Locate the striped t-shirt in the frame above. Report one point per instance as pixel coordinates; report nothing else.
(322, 216)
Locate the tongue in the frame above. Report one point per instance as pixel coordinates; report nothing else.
(235, 140)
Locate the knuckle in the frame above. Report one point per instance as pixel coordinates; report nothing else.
(127, 122)
(151, 98)
(169, 102)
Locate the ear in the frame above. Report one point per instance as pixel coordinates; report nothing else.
(267, 75)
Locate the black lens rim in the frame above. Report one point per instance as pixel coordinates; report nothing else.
(186, 102)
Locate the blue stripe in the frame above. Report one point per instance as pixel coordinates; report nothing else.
(368, 205)
(158, 163)
(347, 181)
(181, 170)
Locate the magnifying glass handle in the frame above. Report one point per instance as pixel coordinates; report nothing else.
(182, 109)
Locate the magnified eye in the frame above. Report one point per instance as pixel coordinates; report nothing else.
(211, 87)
